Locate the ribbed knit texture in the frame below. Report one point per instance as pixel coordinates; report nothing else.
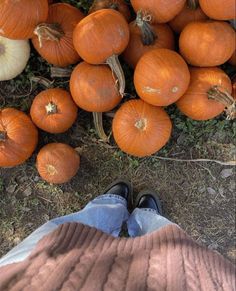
(77, 257)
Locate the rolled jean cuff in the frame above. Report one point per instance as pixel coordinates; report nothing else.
(113, 197)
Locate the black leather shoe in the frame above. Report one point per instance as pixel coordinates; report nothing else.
(149, 199)
(122, 188)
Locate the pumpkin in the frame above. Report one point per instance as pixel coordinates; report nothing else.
(141, 129)
(118, 5)
(218, 9)
(53, 110)
(100, 37)
(145, 37)
(57, 163)
(190, 12)
(208, 94)
(161, 77)
(18, 19)
(207, 43)
(14, 55)
(161, 11)
(18, 137)
(53, 39)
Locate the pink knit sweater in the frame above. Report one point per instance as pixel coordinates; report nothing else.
(77, 257)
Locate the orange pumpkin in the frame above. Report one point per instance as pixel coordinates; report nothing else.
(53, 110)
(18, 137)
(93, 88)
(141, 129)
(53, 39)
(161, 11)
(195, 103)
(207, 43)
(161, 77)
(220, 10)
(18, 19)
(145, 37)
(188, 14)
(57, 163)
(118, 5)
(100, 38)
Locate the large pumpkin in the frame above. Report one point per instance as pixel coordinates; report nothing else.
(206, 83)
(161, 11)
(219, 9)
(100, 37)
(118, 5)
(141, 129)
(18, 19)
(190, 12)
(145, 37)
(207, 43)
(57, 163)
(18, 137)
(161, 77)
(53, 110)
(53, 39)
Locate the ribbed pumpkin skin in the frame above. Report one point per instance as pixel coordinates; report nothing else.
(195, 103)
(21, 137)
(60, 53)
(18, 19)
(144, 141)
(101, 35)
(207, 43)
(161, 11)
(161, 77)
(93, 88)
(57, 163)
(186, 16)
(60, 121)
(136, 49)
(122, 7)
(219, 9)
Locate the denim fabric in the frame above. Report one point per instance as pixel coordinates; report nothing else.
(106, 212)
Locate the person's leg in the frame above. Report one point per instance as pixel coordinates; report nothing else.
(146, 217)
(107, 213)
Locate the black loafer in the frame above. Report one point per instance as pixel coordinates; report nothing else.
(122, 188)
(149, 199)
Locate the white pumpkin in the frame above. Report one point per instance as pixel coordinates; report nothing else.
(14, 55)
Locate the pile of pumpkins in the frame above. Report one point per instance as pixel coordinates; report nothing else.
(188, 76)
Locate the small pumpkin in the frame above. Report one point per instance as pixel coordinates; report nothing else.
(14, 55)
(144, 37)
(53, 110)
(220, 10)
(118, 5)
(18, 137)
(53, 39)
(18, 19)
(57, 163)
(208, 94)
(141, 129)
(100, 37)
(161, 11)
(190, 12)
(207, 43)
(161, 77)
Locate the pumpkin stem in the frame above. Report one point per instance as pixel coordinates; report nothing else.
(57, 72)
(193, 4)
(48, 31)
(148, 35)
(3, 136)
(225, 98)
(51, 108)
(116, 68)
(141, 124)
(97, 119)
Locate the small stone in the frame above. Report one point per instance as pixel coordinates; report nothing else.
(16, 240)
(226, 173)
(36, 178)
(27, 192)
(11, 189)
(211, 191)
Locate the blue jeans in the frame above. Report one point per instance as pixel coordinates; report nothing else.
(107, 213)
